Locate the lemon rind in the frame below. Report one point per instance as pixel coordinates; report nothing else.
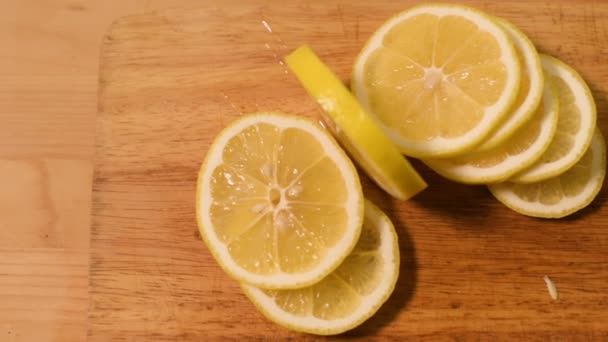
(582, 140)
(532, 66)
(506, 196)
(470, 174)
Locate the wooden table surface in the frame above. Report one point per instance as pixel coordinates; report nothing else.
(49, 61)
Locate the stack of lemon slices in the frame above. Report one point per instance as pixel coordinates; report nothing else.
(280, 206)
(469, 94)
(279, 201)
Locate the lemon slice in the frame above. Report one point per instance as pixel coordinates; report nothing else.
(346, 297)
(575, 126)
(354, 128)
(530, 89)
(279, 204)
(521, 150)
(438, 78)
(561, 195)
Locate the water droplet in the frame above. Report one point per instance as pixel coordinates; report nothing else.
(326, 104)
(268, 28)
(258, 208)
(295, 190)
(228, 178)
(266, 170)
(280, 221)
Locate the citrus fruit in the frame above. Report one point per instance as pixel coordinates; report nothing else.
(561, 195)
(346, 297)
(530, 88)
(279, 204)
(354, 128)
(438, 78)
(575, 125)
(519, 151)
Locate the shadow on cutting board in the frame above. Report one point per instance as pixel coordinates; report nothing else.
(406, 283)
(461, 206)
(601, 103)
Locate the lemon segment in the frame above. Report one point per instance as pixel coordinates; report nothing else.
(563, 194)
(279, 204)
(354, 128)
(348, 296)
(438, 78)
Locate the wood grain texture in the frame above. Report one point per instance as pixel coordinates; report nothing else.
(471, 268)
(48, 67)
(44, 294)
(49, 61)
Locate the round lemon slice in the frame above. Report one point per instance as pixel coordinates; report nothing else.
(279, 204)
(354, 128)
(438, 78)
(346, 297)
(561, 195)
(575, 126)
(520, 150)
(530, 89)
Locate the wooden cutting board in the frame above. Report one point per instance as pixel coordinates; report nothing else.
(471, 268)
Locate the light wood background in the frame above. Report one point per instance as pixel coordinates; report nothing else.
(471, 268)
(49, 62)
